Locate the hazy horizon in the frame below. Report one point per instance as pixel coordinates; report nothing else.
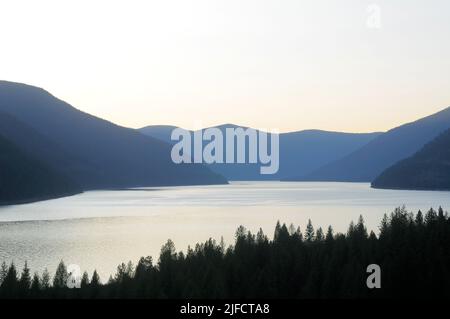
(289, 66)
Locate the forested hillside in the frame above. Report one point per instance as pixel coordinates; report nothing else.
(428, 169)
(413, 252)
(24, 179)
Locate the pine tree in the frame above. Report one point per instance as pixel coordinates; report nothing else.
(260, 237)
(430, 216)
(329, 237)
(84, 280)
(45, 280)
(144, 265)
(351, 229)
(419, 218)
(35, 284)
(282, 234)
(440, 213)
(277, 230)
(168, 249)
(25, 278)
(384, 226)
(61, 276)
(241, 232)
(360, 229)
(10, 284)
(120, 273)
(95, 281)
(319, 234)
(309, 233)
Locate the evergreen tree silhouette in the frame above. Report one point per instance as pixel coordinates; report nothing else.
(61, 276)
(35, 286)
(25, 280)
(289, 266)
(10, 285)
(309, 233)
(95, 280)
(45, 280)
(84, 280)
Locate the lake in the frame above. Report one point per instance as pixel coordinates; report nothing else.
(100, 229)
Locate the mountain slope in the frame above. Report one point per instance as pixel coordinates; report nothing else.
(305, 151)
(427, 169)
(46, 151)
(102, 154)
(366, 163)
(25, 179)
(300, 152)
(160, 132)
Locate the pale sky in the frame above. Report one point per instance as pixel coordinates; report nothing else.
(281, 64)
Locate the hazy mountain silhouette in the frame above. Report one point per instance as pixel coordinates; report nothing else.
(366, 163)
(300, 152)
(427, 169)
(25, 179)
(98, 153)
(161, 132)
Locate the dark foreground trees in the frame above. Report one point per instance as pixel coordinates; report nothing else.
(413, 252)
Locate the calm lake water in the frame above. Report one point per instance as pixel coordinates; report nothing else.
(100, 229)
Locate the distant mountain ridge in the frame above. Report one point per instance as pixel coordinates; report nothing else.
(367, 162)
(300, 152)
(428, 169)
(44, 137)
(160, 132)
(93, 152)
